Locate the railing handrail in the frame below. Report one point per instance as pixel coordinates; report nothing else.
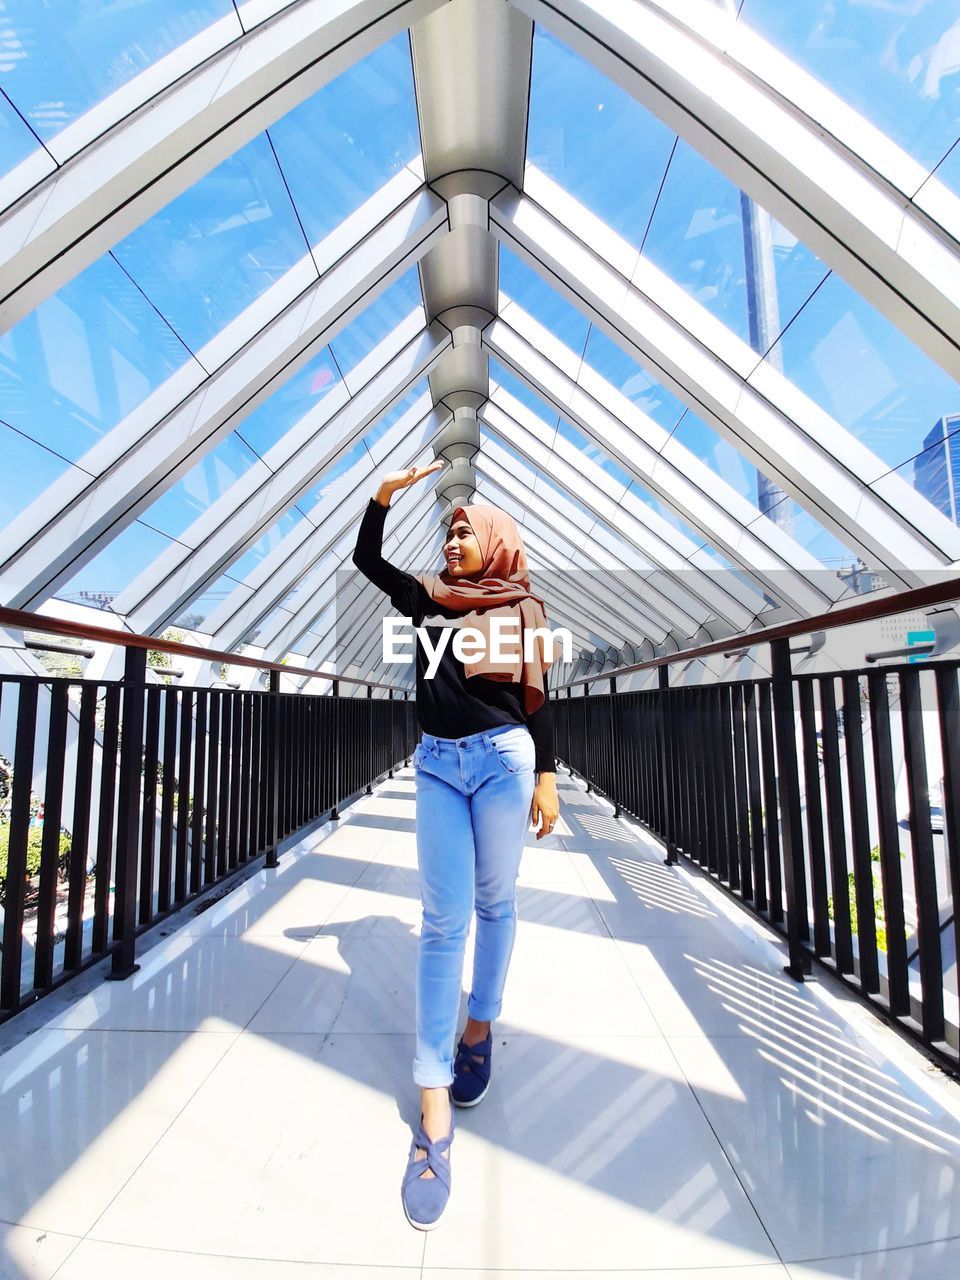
(21, 620)
(869, 611)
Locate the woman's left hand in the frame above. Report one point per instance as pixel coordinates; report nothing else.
(546, 804)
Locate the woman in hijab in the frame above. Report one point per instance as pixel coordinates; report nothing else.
(484, 770)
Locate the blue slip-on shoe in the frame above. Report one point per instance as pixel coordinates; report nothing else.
(471, 1071)
(424, 1199)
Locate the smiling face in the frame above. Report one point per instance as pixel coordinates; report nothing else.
(462, 550)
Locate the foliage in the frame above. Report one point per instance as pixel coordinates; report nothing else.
(879, 919)
(34, 846)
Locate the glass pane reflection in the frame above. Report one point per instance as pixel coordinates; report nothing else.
(122, 560)
(862, 371)
(594, 139)
(895, 63)
(16, 140)
(62, 57)
(203, 484)
(83, 360)
(378, 320)
(214, 250)
(340, 146)
(28, 469)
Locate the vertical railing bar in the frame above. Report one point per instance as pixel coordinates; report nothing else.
(168, 794)
(948, 713)
(148, 813)
(107, 818)
(836, 827)
(860, 836)
(50, 840)
(898, 993)
(814, 815)
(17, 837)
(184, 762)
(198, 813)
(128, 825)
(788, 791)
(224, 778)
(924, 869)
(80, 843)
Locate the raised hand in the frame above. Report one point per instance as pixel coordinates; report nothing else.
(395, 480)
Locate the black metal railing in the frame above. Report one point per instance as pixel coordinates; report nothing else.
(124, 800)
(807, 797)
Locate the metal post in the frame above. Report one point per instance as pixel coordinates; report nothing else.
(663, 684)
(338, 728)
(272, 762)
(613, 744)
(788, 786)
(369, 790)
(393, 731)
(128, 817)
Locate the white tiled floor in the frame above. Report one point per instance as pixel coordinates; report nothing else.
(665, 1102)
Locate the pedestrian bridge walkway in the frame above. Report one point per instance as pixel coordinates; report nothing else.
(665, 1100)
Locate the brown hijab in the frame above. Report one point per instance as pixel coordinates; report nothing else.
(500, 589)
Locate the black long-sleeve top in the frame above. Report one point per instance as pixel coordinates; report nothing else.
(450, 704)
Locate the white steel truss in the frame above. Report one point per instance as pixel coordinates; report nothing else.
(653, 457)
(298, 555)
(191, 412)
(173, 124)
(840, 185)
(685, 592)
(750, 403)
(262, 494)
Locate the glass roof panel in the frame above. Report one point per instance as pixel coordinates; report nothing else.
(202, 485)
(949, 171)
(865, 373)
(274, 417)
(28, 468)
(214, 250)
(329, 480)
(391, 417)
(697, 237)
(196, 611)
(340, 146)
(656, 504)
(516, 387)
(268, 540)
(812, 536)
(594, 139)
(610, 360)
(117, 564)
(590, 449)
(719, 455)
(83, 360)
(16, 139)
(935, 472)
(377, 320)
(524, 285)
(62, 57)
(276, 617)
(896, 63)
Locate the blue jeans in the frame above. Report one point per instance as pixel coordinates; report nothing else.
(474, 797)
